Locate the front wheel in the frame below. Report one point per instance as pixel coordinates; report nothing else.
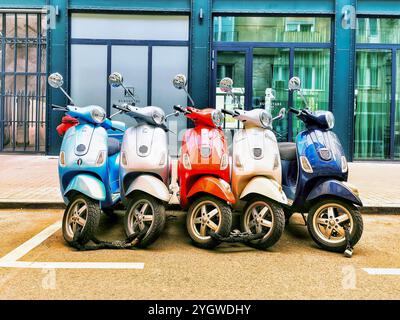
(82, 214)
(207, 214)
(263, 216)
(327, 221)
(145, 211)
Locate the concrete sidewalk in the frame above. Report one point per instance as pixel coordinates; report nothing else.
(32, 181)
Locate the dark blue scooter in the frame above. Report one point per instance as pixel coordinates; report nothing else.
(88, 167)
(314, 178)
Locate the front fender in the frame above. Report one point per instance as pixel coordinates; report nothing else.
(266, 187)
(214, 186)
(88, 185)
(336, 189)
(151, 185)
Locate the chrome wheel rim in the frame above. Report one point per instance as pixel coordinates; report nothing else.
(76, 217)
(329, 221)
(205, 216)
(140, 216)
(258, 218)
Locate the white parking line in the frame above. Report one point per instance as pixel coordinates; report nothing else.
(72, 265)
(32, 243)
(10, 259)
(383, 271)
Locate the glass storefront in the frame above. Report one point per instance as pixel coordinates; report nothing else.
(377, 127)
(272, 29)
(268, 51)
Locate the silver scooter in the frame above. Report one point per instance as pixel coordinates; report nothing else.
(144, 168)
(256, 173)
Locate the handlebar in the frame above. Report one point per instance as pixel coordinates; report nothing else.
(179, 108)
(295, 111)
(59, 108)
(231, 113)
(122, 108)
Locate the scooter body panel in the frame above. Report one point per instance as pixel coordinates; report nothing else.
(88, 185)
(266, 187)
(333, 188)
(151, 185)
(310, 143)
(82, 145)
(255, 154)
(212, 185)
(144, 151)
(204, 146)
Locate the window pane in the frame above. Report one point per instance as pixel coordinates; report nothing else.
(378, 30)
(272, 29)
(397, 119)
(312, 66)
(231, 64)
(270, 75)
(373, 94)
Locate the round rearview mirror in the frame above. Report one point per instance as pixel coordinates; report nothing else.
(55, 80)
(282, 113)
(115, 79)
(179, 81)
(294, 84)
(226, 84)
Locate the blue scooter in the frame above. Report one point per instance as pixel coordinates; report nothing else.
(88, 167)
(314, 178)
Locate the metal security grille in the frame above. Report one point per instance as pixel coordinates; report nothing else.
(23, 44)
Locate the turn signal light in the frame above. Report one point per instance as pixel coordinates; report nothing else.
(62, 158)
(238, 162)
(305, 164)
(100, 158)
(124, 160)
(344, 164)
(224, 162)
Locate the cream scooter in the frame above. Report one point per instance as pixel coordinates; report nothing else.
(256, 173)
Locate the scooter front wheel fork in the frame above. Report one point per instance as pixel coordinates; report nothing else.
(207, 214)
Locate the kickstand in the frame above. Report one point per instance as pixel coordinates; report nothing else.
(348, 253)
(304, 219)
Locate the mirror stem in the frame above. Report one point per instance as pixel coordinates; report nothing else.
(189, 96)
(66, 94)
(116, 113)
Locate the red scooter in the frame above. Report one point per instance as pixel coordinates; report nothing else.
(204, 174)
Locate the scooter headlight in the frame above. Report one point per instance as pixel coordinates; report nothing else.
(330, 119)
(98, 115)
(158, 117)
(217, 118)
(265, 119)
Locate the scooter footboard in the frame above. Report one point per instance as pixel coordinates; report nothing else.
(266, 187)
(88, 185)
(151, 185)
(214, 186)
(335, 189)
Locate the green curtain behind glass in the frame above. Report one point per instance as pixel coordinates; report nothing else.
(372, 118)
(397, 118)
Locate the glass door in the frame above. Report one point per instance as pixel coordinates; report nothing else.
(373, 104)
(270, 75)
(397, 109)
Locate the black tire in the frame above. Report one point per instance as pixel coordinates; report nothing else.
(109, 212)
(340, 244)
(155, 227)
(91, 216)
(223, 220)
(277, 217)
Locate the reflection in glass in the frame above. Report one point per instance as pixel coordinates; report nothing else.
(270, 74)
(373, 95)
(231, 64)
(312, 67)
(272, 29)
(378, 30)
(397, 118)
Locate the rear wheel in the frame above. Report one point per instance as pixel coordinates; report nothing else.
(263, 216)
(81, 215)
(143, 212)
(327, 221)
(207, 214)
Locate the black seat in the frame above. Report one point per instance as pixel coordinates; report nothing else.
(287, 150)
(114, 146)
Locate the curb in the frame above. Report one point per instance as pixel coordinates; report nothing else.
(61, 205)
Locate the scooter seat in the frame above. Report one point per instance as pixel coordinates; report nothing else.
(287, 150)
(114, 146)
